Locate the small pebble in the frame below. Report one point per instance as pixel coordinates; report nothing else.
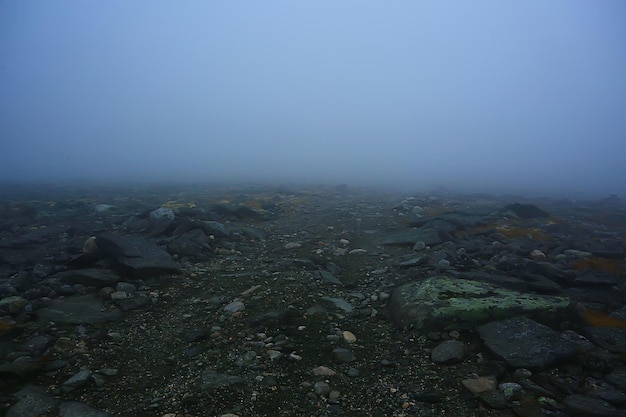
(349, 337)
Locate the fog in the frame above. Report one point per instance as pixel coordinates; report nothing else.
(482, 96)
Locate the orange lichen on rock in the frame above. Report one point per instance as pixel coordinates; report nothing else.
(598, 264)
(517, 232)
(597, 318)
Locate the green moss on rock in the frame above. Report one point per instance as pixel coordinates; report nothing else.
(459, 303)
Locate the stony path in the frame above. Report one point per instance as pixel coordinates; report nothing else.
(283, 312)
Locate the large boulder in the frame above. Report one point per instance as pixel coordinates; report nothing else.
(452, 303)
(138, 254)
(524, 343)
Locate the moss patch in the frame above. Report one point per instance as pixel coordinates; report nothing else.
(459, 303)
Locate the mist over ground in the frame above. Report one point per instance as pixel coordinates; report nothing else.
(485, 96)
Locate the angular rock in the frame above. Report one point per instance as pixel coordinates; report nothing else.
(194, 244)
(459, 303)
(139, 254)
(480, 384)
(33, 401)
(234, 307)
(342, 355)
(85, 309)
(79, 379)
(13, 304)
(524, 343)
(340, 303)
(216, 229)
(329, 278)
(449, 351)
(610, 338)
(89, 277)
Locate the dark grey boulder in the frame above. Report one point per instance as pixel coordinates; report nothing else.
(610, 338)
(139, 254)
(194, 244)
(89, 277)
(84, 309)
(524, 343)
(449, 351)
(216, 229)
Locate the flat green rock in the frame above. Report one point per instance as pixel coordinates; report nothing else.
(451, 303)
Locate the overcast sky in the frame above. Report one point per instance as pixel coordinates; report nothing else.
(471, 95)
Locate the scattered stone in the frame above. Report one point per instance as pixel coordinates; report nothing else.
(357, 252)
(524, 343)
(79, 379)
(480, 384)
(537, 255)
(449, 351)
(293, 245)
(329, 278)
(323, 371)
(321, 388)
(348, 336)
(234, 307)
(342, 355)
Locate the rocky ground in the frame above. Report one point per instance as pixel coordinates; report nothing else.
(309, 301)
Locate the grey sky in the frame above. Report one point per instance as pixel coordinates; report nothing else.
(480, 95)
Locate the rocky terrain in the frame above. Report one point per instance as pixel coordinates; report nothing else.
(309, 301)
